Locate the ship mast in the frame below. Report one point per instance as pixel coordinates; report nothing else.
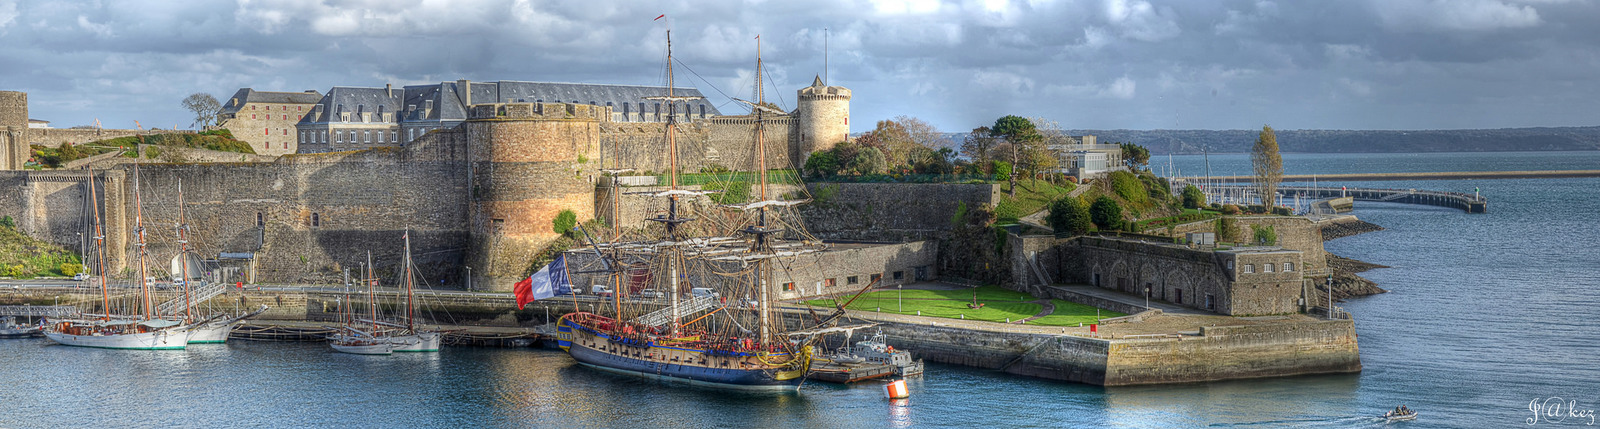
(671, 220)
(760, 230)
(183, 255)
(100, 247)
(410, 308)
(138, 228)
(372, 301)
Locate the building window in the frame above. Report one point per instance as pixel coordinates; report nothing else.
(1288, 267)
(261, 219)
(831, 282)
(316, 220)
(285, 131)
(394, 135)
(658, 111)
(353, 136)
(252, 107)
(1249, 268)
(367, 135)
(1266, 268)
(266, 131)
(252, 116)
(852, 280)
(876, 277)
(788, 287)
(411, 134)
(1230, 265)
(702, 111)
(1211, 302)
(899, 275)
(1178, 295)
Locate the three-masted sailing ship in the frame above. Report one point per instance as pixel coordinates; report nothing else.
(716, 325)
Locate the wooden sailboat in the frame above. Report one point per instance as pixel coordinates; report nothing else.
(209, 330)
(412, 339)
(355, 338)
(728, 346)
(141, 331)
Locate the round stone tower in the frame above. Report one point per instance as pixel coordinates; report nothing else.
(824, 118)
(528, 162)
(13, 130)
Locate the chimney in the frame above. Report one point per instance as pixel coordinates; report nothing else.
(389, 89)
(465, 87)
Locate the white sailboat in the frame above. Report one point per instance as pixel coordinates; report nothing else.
(357, 339)
(412, 339)
(142, 331)
(216, 328)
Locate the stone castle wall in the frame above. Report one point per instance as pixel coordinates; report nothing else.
(55, 137)
(1294, 232)
(724, 141)
(1174, 274)
(889, 211)
(13, 130)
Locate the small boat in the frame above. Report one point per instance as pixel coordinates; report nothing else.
(877, 350)
(10, 329)
(1400, 415)
(354, 341)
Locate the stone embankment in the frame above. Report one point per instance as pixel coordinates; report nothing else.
(1346, 284)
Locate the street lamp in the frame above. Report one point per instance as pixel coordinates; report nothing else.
(469, 277)
(899, 297)
(1330, 296)
(1147, 297)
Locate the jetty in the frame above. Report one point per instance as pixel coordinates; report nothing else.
(1337, 199)
(1454, 175)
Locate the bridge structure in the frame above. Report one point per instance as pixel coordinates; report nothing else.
(38, 310)
(1470, 203)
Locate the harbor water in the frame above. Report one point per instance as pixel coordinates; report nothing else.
(1489, 316)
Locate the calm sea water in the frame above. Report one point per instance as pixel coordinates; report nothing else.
(1487, 313)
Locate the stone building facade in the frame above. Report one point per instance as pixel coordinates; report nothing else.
(1243, 281)
(267, 119)
(824, 117)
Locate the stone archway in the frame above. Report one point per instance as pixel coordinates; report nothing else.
(1172, 285)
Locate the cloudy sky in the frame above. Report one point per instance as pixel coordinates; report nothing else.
(1096, 64)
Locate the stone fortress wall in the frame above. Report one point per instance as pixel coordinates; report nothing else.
(13, 130)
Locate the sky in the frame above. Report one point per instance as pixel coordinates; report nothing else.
(1090, 64)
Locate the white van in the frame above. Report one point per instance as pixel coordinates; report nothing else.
(703, 291)
(601, 290)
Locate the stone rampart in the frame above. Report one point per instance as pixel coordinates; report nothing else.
(889, 211)
(55, 137)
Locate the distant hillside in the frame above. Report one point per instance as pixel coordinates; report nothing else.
(1351, 141)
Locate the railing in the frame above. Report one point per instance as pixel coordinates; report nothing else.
(38, 310)
(662, 316)
(205, 292)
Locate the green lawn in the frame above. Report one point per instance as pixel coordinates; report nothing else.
(999, 305)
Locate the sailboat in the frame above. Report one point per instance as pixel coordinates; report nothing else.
(699, 338)
(216, 328)
(356, 338)
(139, 331)
(412, 339)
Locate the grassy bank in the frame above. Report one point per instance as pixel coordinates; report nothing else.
(999, 305)
(23, 257)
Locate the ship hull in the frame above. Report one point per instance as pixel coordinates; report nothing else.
(573, 339)
(421, 342)
(211, 334)
(157, 340)
(364, 349)
(19, 333)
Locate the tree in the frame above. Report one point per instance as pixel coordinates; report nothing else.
(1265, 235)
(977, 145)
(921, 132)
(929, 161)
(1193, 198)
(895, 142)
(1105, 213)
(822, 164)
(868, 161)
(207, 111)
(1068, 216)
(1135, 156)
(1268, 166)
(1020, 132)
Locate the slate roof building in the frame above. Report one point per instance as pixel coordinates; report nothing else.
(266, 119)
(350, 118)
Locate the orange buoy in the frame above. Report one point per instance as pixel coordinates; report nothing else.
(897, 389)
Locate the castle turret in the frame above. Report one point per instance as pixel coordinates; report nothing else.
(14, 149)
(824, 118)
(528, 163)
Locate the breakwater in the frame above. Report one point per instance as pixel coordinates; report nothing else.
(1451, 175)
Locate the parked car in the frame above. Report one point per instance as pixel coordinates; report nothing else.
(649, 294)
(80, 277)
(703, 291)
(601, 290)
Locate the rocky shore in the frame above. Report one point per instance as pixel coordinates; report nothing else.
(1346, 283)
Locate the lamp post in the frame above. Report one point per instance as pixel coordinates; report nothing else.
(1147, 297)
(1330, 296)
(469, 277)
(899, 297)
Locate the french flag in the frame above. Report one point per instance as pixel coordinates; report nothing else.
(544, 284)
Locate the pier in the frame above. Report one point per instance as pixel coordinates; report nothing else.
(1330, 196)
(1457, 175)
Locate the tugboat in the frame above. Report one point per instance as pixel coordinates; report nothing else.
(877, 350)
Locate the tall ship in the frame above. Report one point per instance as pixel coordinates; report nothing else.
(372, 336)
(701, 307)
(135, 324)
(212, 328)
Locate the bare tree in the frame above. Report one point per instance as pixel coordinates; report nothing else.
(921, 132)
(1268, 166)
(207, 111)
(977, 145)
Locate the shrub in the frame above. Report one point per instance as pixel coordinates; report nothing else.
(1226, 229)
(1105, 213)
(70, 269)
(1282, 211)
(1193, 198)
(1265, 235)
(1230, 209)
(734, 192)
(1002, 170)
(1068, 216)
(1255, 208)
(12, 270)
(8, 222)
(961, 215)
(1128, 186)
(564, 222)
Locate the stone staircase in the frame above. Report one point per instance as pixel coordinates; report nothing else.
(664, 316)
